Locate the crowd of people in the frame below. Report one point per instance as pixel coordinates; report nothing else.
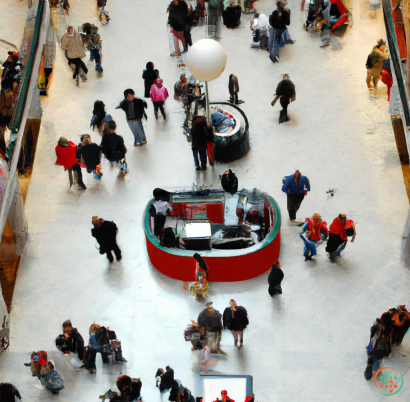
(386, 332)
(205, 333)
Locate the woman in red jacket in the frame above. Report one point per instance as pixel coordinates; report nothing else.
(66, 152)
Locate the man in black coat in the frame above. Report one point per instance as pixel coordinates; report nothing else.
(275, 278)
(286, 93)
(235, 318)
(112, 144)
(105, 233)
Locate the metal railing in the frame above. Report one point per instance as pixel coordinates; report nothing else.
(395, 57)
(27, 90)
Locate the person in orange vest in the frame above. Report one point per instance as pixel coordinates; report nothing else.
(340, 229)
(224, 397)
(401, 324)
(314, 231)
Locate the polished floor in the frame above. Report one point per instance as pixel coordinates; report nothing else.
(306, 345)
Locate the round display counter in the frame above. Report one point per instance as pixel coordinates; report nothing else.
(234, 144)
(230, 259)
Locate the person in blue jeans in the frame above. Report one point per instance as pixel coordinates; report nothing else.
(134, 109)
(278, 21)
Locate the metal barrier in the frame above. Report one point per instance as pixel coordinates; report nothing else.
(395, 58)
(28, 87)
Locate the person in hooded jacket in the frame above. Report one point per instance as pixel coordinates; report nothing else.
(149, 75)
(159, 94)
(275, 278)
(236, 319)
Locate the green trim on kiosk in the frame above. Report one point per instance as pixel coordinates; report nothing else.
(216, 253)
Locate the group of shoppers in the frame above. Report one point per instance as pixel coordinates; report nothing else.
(386, 332)
(315, 231)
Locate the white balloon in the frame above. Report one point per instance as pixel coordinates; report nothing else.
(206, 60)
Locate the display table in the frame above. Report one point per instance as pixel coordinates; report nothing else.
(234, 145)
(224, 265)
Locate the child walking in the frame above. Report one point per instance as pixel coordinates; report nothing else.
(159, 95)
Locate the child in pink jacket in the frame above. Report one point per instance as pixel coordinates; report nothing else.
(159, 95)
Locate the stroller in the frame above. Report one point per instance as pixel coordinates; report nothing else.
(191, 93)
(45, 371)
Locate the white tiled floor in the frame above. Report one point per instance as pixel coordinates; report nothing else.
(306, 345)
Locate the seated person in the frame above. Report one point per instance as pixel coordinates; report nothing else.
(220, 121)
(232, 15)
(161, 208)
(260, 28)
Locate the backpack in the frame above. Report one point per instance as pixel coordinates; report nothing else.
(61, 344)
(77, 341)
(39, 358)
(53, 381)
(188, 396)
(101, 336)
(168, 238)
(192, 333)
(229, 182)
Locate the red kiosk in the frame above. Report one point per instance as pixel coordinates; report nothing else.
(237, 235)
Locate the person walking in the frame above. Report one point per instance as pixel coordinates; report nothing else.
(89, 154)
(112, 144)
(233, 87)
(199, 135)
(94, 44)
(103, 12)
(278, 21)
(211, 320)
(134, 109)
(66, 152)
(159, 94)
(236, 319)
(149, 75)
(105, 232)
(275, 278)
(286, 93)
(72, 43)
(296, 187)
